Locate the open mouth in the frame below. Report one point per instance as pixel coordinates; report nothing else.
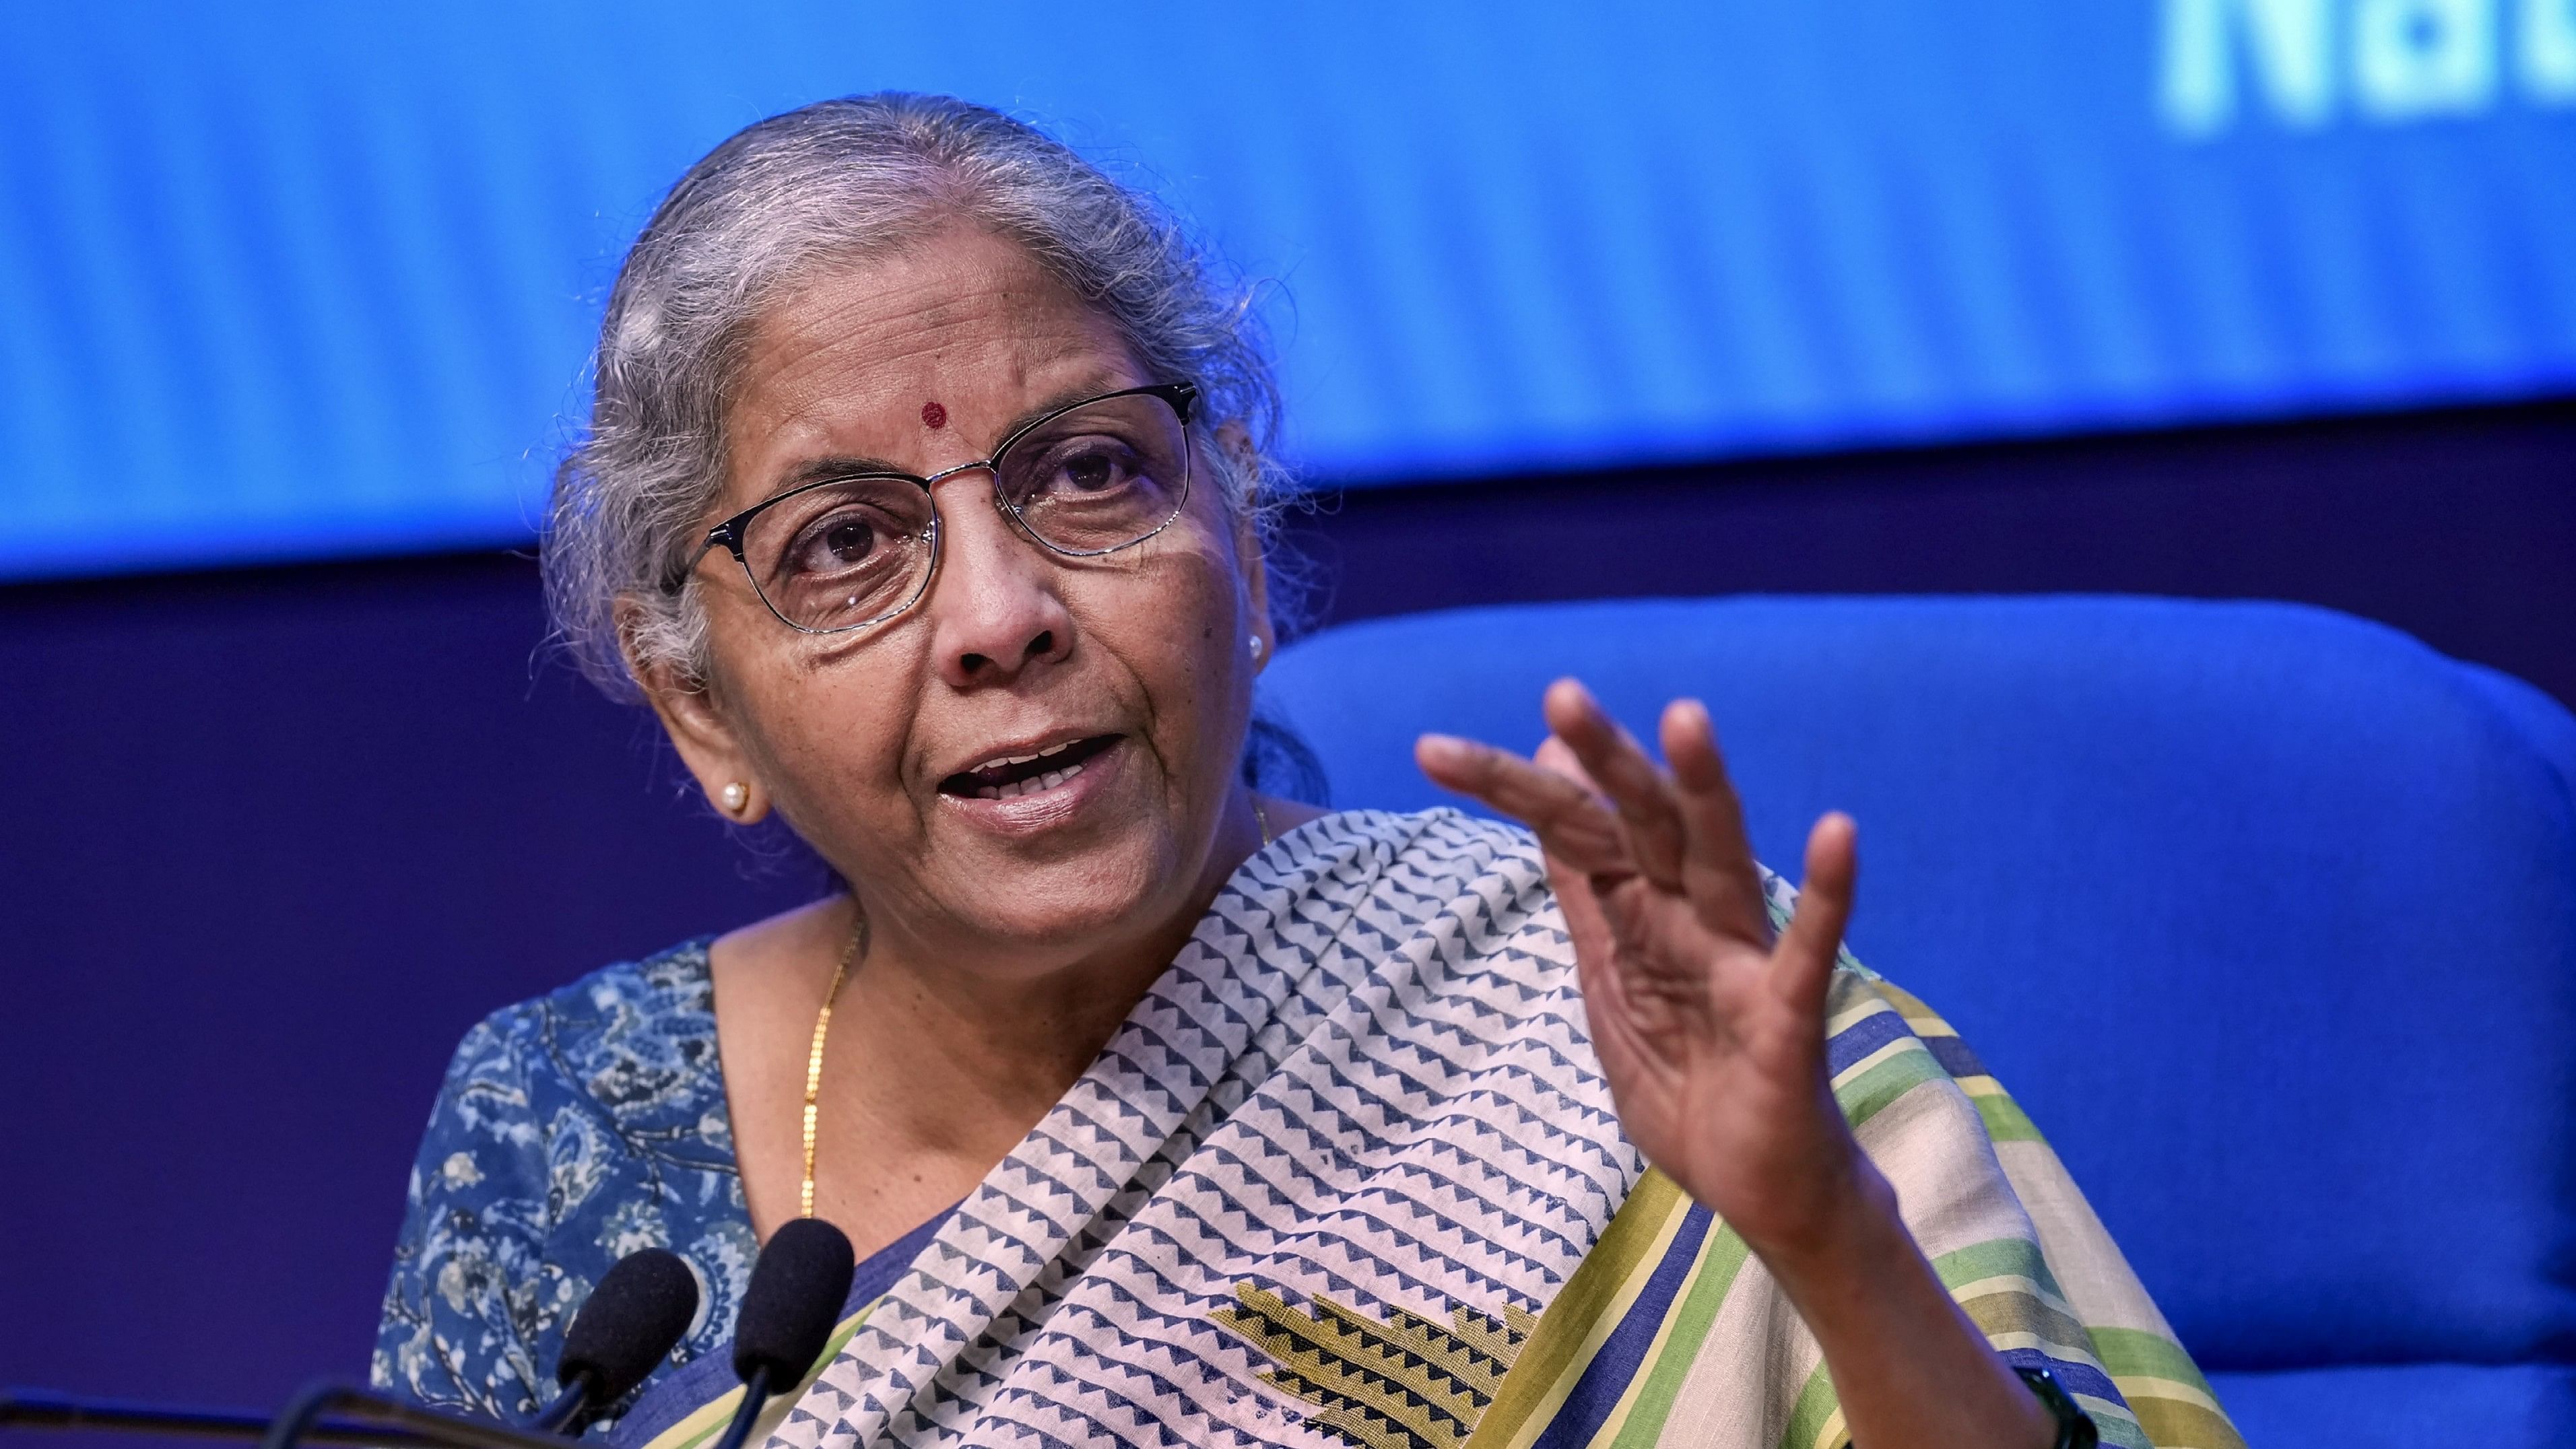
(1016, 775)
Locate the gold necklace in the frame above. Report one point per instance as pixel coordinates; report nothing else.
(814, 1058)
(823, 1032)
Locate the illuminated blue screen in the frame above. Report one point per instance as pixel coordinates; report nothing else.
(309, 279)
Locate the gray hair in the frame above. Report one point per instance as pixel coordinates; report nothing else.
(831, 183)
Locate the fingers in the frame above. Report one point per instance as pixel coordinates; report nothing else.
(1571, 821)
(1803, 965)
(1614, 761)
(1552, 754)
(1718, 868)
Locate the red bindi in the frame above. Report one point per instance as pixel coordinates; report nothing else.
(933, 415)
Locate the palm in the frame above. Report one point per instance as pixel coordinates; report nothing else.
(1712, 1036)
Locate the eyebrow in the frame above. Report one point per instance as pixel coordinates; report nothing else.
(845, 465)
(828, 467)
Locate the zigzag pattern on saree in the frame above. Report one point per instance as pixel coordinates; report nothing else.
(1403, 1383)
(1365, 1077)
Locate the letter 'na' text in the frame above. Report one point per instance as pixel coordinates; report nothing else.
(2309, 64)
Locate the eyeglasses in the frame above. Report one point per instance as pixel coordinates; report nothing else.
(845, 552)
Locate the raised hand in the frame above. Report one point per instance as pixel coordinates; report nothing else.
(1711, 1033)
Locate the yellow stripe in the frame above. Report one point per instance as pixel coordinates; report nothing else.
(2171, 1424)
(2144, 1388)
(2015, 1283)
(1590, 1305)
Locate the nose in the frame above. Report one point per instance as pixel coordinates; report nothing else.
(995, 613)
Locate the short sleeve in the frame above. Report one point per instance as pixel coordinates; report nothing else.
(459, 1320)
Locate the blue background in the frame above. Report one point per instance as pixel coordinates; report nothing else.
(1647, 301)
(306, 279)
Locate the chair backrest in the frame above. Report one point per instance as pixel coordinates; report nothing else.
(2266, 914)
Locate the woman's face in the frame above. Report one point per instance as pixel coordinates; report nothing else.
(869, 742)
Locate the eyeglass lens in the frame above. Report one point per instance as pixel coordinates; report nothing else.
(1095, 479)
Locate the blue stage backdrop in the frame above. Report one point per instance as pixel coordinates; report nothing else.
(296, 279)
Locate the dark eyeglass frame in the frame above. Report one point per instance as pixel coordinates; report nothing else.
(1181, 397)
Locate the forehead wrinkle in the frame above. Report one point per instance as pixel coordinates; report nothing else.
(913, 303)
(826, 371)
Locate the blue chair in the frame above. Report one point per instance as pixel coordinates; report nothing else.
(2266, 914)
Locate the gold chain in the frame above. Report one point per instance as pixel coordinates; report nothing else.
(814, 1058)
(823, 1031)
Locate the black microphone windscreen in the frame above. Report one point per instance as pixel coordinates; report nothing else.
(797, 1286)
(641, 1308)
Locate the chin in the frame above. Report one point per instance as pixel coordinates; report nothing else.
(1073, 904)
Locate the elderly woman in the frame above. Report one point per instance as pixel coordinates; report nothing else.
(923, 500)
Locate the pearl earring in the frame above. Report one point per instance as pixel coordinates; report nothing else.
(1257, 647)
(736, 795)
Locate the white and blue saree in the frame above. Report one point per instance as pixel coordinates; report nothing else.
(1350, 1175)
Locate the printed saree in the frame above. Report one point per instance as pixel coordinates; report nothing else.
(1350, 1175)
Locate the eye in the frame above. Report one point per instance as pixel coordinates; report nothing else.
(844, 540)
(1079, 469)
(838, 530)
(848, 541)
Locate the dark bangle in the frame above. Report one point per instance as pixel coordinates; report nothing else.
(2074, 1427)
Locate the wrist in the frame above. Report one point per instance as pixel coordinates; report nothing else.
(1849, 1224)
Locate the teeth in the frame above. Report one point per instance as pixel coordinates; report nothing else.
(1030, 786)
(1009, 760)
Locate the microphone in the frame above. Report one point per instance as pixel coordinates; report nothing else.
(797, 1287)
(626, 1327)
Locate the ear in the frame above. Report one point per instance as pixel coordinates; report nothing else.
(694, 719)
(1247, 538)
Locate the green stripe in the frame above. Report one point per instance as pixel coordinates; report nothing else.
(1869, 1093)
(1694, 1309)
(1995, 1258)
(2125, 1433)
(1816, 1404)
(2005, 1121)
(1568, 1320)
(2137, 1353)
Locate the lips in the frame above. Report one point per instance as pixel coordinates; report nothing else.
(1007, 777)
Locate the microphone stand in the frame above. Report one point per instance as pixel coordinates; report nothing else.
(327, 1413)
(38, 1410)
(302, 1414)
(755, 1397)
(571, 1409)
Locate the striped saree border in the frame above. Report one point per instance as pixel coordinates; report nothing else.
(1601, 1323)
(1609, 1358)
(2157, 1386)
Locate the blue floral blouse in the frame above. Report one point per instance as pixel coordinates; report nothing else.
(572, 1130)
